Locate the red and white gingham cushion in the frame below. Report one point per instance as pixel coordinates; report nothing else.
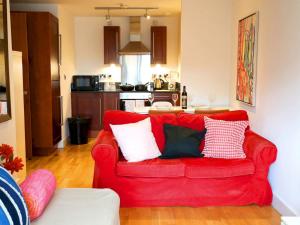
(224, 139)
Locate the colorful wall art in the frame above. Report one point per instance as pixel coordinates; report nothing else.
(246, 62)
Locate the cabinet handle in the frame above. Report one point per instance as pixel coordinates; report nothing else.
(117, 104)
(153, 46)
(59, 50)
(163, 96)
(61, 110)
(100, 111)
(117, 46)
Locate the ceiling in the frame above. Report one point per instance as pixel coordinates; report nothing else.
(86, 7)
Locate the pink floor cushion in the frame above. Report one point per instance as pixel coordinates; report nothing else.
(38, 189)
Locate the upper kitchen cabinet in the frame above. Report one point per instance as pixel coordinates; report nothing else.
(111, 44)
(158, 45)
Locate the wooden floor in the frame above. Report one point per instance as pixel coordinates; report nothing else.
(73, 167)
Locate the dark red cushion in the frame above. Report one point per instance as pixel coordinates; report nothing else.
(116, 117)
(217, 168)
(151, 168)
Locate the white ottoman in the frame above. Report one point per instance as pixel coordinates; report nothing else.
(82, 206)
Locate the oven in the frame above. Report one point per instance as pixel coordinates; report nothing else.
(131, 100)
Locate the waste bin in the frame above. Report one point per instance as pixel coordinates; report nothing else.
(78, 129)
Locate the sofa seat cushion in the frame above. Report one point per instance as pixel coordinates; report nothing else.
(159, 168)
(217, 168)
(82, 206)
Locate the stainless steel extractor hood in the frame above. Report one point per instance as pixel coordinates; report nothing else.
(135, 46)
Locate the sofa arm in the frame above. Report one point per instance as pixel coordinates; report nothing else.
(105, 152)
(105, 148)
(260, 150)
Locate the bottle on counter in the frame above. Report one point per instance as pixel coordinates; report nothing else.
(184, 98)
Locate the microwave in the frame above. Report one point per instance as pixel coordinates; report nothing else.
(86, 83)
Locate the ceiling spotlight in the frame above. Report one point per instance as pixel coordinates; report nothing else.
(107, 16)
(147, 16)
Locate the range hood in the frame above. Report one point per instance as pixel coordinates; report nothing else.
(135, 46)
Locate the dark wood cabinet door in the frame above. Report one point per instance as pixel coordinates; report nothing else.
(111, 101)
(56, 112)
(19, 43)
(111, 44)
(88, 104)
(54, 42)
(158, 45)
(42, 36)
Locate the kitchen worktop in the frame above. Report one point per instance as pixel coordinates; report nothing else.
(120, 91)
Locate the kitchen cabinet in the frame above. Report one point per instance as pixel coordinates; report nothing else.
(111, 101)
(111, 44)
(158, 45)
(94, 105)
(166, 97)
(40, 59)
(20, 43)
(88, 104)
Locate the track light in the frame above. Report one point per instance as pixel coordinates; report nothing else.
(147, 16)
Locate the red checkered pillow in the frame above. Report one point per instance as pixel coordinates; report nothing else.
(224, 139)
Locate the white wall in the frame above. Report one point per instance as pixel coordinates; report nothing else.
(89, 42)
(67, 68)
(206, 50)
(8, 130)
(276, 115)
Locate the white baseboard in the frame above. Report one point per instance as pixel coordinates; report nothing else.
(282, 207)
(62, 143)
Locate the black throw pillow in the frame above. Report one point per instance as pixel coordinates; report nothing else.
(182, 142)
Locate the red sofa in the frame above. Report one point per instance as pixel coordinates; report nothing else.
(186, 181)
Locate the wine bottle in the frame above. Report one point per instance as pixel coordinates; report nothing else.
(184, 98)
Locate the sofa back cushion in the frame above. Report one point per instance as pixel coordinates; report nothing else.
(196, 121)
(193, 121)
(117, 117)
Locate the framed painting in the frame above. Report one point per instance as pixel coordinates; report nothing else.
(246, 61)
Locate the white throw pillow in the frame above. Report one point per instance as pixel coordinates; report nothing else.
(136, 140)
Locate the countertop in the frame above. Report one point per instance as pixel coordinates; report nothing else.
(120, 91)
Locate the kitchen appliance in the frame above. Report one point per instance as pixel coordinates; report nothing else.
(135, 46)
(86, 83)
(141, 87)
(130, 100)
(158, 83)
(126, 87)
